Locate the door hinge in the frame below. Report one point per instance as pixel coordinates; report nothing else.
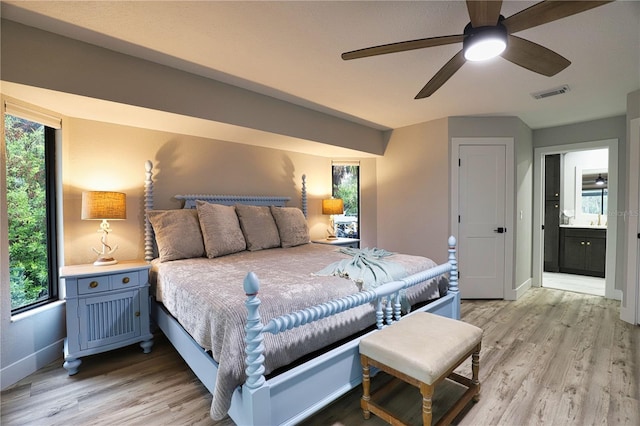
(543, 227)
(459, 162)
(458, 218)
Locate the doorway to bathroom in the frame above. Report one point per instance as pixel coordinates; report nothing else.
(576, 198)
(575, 221)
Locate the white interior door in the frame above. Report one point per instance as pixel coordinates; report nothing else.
(481, 227)
(630, 308)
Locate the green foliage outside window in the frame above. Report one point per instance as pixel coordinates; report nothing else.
(26, 201)
(345, 186)
(594, 201)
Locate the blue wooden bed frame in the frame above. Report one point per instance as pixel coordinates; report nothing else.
(290, 397)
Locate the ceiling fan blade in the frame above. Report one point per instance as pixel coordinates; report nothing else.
(403, 46)
(483, 13)
(547, 11)
(442, 75)
(534, 57)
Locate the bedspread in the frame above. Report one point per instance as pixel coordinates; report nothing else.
(206, 296)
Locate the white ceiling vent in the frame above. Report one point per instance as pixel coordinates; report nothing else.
(551, 92)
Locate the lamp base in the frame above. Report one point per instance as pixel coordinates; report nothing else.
(104, 261)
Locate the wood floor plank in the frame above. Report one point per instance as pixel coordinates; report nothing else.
(550, 358)
(623, 385)
(543, 368)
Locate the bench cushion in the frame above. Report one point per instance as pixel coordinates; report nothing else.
(422, 345)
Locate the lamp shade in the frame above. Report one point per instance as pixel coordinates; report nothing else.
(332, 206)
(104, 205)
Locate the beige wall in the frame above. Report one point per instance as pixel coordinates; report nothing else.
(413, 191)
(102, 156)
(524, 204)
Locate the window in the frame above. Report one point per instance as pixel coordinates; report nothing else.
(31, 197)
(594, 201)
(594, 191)
(346, 185)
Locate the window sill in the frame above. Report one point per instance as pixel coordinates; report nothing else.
(36, 311)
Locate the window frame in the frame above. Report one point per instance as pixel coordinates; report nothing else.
(51, 212)
(333, 188)
(601, 193)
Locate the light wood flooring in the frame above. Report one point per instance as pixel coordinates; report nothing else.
(550, 358)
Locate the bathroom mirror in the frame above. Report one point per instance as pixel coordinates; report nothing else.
(594, 191)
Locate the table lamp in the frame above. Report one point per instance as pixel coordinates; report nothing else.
(332, 206)
(104, 205)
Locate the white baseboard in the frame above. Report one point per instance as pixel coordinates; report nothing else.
(516, 293)
(20, 369)
(615, 295)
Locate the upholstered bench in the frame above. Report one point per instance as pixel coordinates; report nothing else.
(422, 349)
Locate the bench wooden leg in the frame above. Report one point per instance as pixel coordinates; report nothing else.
(427, 395)
(366, 383)
(475, 367)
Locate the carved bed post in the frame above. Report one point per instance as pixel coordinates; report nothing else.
(388, 309)
(148, 205)
(453, 274)
(304, 195)
(253, 339)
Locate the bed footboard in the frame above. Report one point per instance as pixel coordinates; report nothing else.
(298, 393)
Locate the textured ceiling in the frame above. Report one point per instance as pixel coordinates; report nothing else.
(291, 51)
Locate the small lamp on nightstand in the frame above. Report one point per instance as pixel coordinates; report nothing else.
(332, 206)
(104, 205)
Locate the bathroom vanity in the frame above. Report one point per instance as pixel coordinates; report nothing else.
(583, 250)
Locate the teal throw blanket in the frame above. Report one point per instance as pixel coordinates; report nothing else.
(367, 267)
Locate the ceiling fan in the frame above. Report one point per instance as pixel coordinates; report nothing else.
(490, 34)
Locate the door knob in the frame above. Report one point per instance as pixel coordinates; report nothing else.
(500, 230)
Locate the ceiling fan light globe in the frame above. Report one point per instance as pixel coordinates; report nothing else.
(484, 43)
(485, 49)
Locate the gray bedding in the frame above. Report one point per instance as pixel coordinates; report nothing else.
(207, 298)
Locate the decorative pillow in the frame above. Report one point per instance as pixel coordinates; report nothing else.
(220, 229)
(177, 234)
(292, 226)
(259, 228)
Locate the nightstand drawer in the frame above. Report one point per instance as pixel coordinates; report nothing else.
(124, 281)
(93, 284)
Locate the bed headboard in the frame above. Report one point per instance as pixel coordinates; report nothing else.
(230, 200)
(190, 203)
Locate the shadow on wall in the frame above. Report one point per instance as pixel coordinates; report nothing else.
(166, 172)
(184, 167)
